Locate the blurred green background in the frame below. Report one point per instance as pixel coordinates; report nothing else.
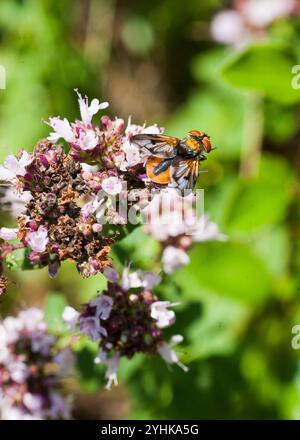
(240, 299)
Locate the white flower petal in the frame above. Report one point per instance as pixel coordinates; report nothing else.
(112, 364)
(174, 258)
(8, 234)
(228, 27)
(163, 316)
(62, 129)
(88, 111)
(70, 317)
(5, 174)
(112, 185)
(38, 240)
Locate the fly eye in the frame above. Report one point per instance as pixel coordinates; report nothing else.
(206, 144)
(195, 133)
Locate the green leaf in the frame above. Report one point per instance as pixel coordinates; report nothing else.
(206, 66)
(137, 248)
(18, 260)
(265, 68)
(274, 247)
(262, 202)
(54, 307)
(277, 171)
(226, 269)
(217, 111)
(90, 374)
(218, 329)
(71, 281)
(255, 206)
(280, 125)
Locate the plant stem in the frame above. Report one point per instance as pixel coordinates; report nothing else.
(252, 137)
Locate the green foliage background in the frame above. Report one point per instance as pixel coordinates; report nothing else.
(239, 298)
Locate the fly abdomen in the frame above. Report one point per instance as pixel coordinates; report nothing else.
(162, 166)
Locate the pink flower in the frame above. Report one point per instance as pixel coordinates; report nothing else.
(97, 227)
(32, 320)
(90, 326)
(163, 316)
(170, 356)
(112, 364)
(130, 280)
(205, 230)
(70, 317)
(14, 167)
(112, 185)
(174, 258)
(168, 215)
(62, 129)
(38, 240)
(19, 371)
(8, 233)
(134, 322)
(228, 27)
(12, 327)
(16, 201)
(95, 205)
(89, 168)
(133, 153)
(88, 111)
(147, 280)
(27, 383)
(88, 140)
(261, 13)
(152, 129)
(133, 129)
(42, 344)
(59, 408)
(103, 305)
(8, 412)
(33, 402)
(249, 20)
(65, 359)
(111, 274)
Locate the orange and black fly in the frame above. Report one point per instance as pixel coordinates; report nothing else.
(174, 161)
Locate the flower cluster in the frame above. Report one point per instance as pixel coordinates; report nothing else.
(125, 319)
(72, 202)
(52, 225)
(65, 198)
(70, 197)
(31, 367)
(249, 20)
(106, 145)
(178, 222)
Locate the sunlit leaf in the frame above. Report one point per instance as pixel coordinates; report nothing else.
(54, 307)
(226, 269)
(265, 68)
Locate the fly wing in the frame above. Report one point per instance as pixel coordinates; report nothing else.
(157, 144)
(184, 172)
